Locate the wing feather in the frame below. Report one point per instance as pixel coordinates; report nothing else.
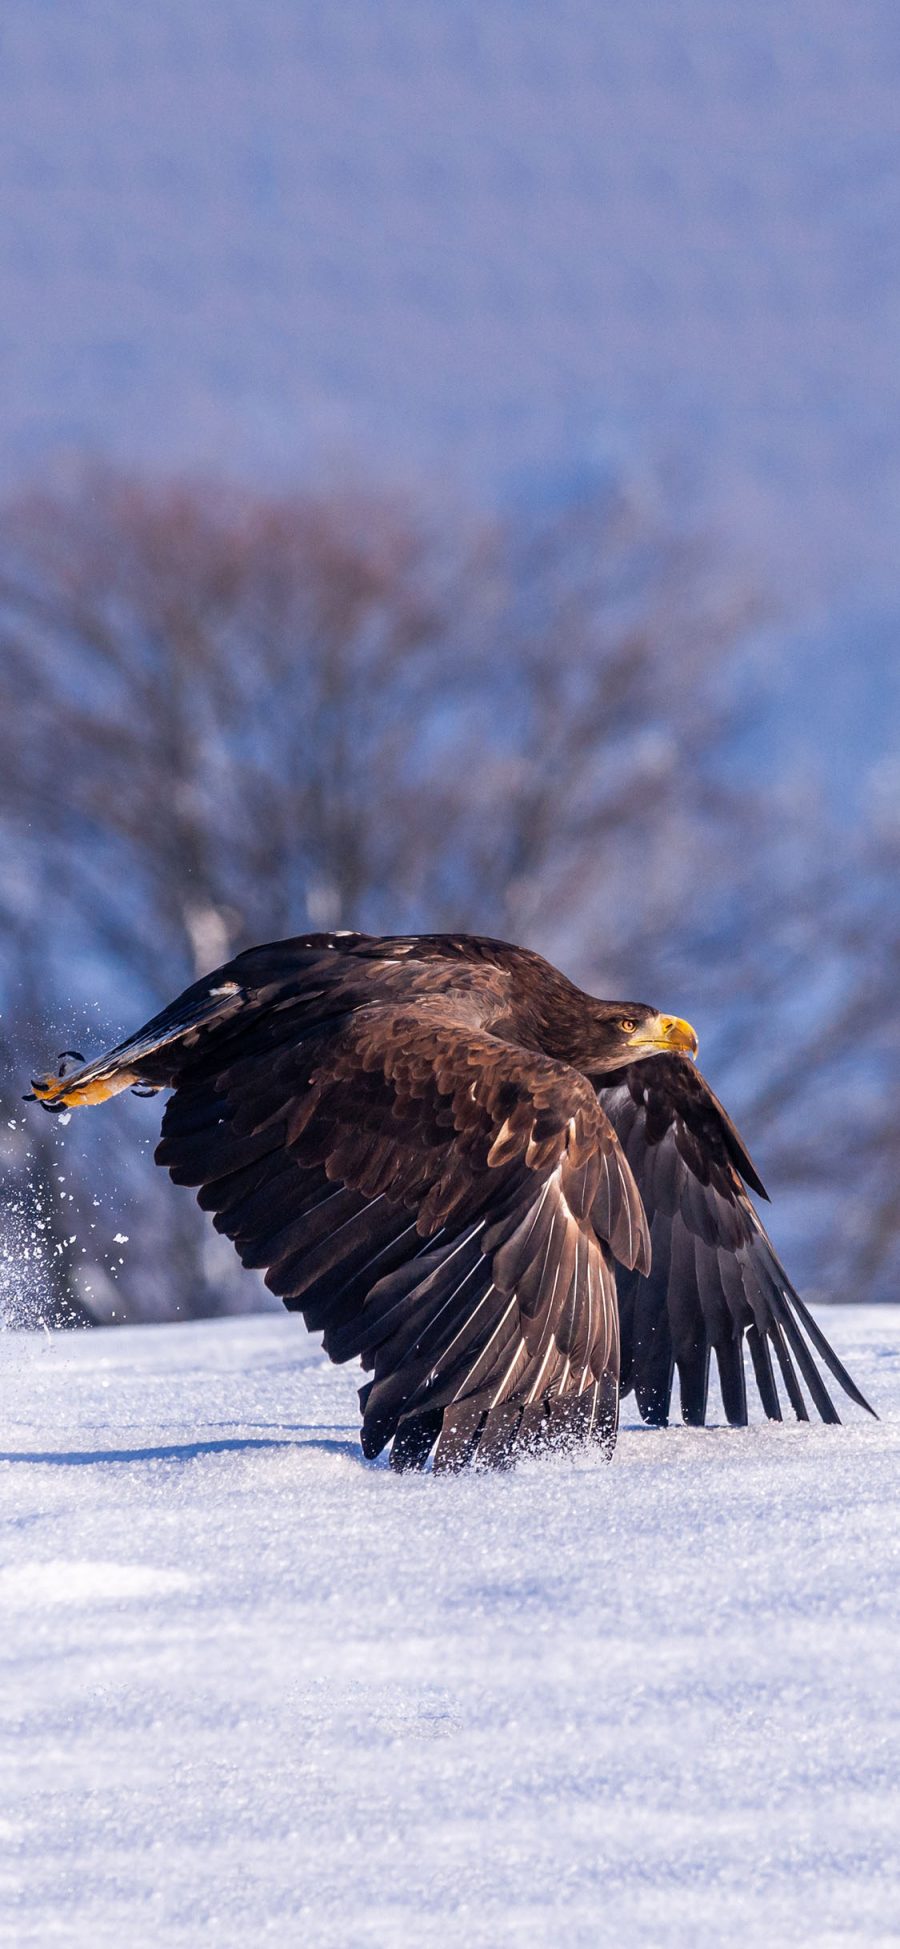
(715, 1278)
(443, 1203)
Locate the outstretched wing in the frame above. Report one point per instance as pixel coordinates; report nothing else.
(441, 1202)
(426, 1194)
(715, 1277)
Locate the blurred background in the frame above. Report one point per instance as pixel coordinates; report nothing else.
(450, 475)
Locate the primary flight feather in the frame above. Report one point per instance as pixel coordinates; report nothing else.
(511, 1202)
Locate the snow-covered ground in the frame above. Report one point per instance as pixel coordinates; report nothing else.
(257, 1691)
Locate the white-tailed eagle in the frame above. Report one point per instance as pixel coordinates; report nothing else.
(511, 1202)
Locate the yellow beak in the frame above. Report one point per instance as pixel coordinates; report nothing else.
(666, 1032)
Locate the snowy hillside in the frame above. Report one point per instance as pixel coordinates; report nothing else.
(257, 1691)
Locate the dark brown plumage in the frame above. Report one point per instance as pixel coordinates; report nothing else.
(511, 1202)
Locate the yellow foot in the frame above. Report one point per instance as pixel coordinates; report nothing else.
(70, 1092)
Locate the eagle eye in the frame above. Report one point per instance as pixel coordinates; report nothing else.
(627, 1025)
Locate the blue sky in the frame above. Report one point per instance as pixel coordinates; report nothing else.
(483, 249)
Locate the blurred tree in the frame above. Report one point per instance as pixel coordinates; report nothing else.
(830, 1101)
(231, 717)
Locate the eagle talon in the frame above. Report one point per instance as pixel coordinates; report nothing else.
(65, 1056)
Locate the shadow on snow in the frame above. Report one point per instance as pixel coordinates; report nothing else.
(176, 1451)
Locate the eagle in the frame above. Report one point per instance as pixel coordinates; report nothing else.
(510, 1202)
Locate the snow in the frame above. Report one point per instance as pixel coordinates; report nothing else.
(258, 1691)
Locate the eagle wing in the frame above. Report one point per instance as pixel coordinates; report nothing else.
(438, 1200)
(715, 1278)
